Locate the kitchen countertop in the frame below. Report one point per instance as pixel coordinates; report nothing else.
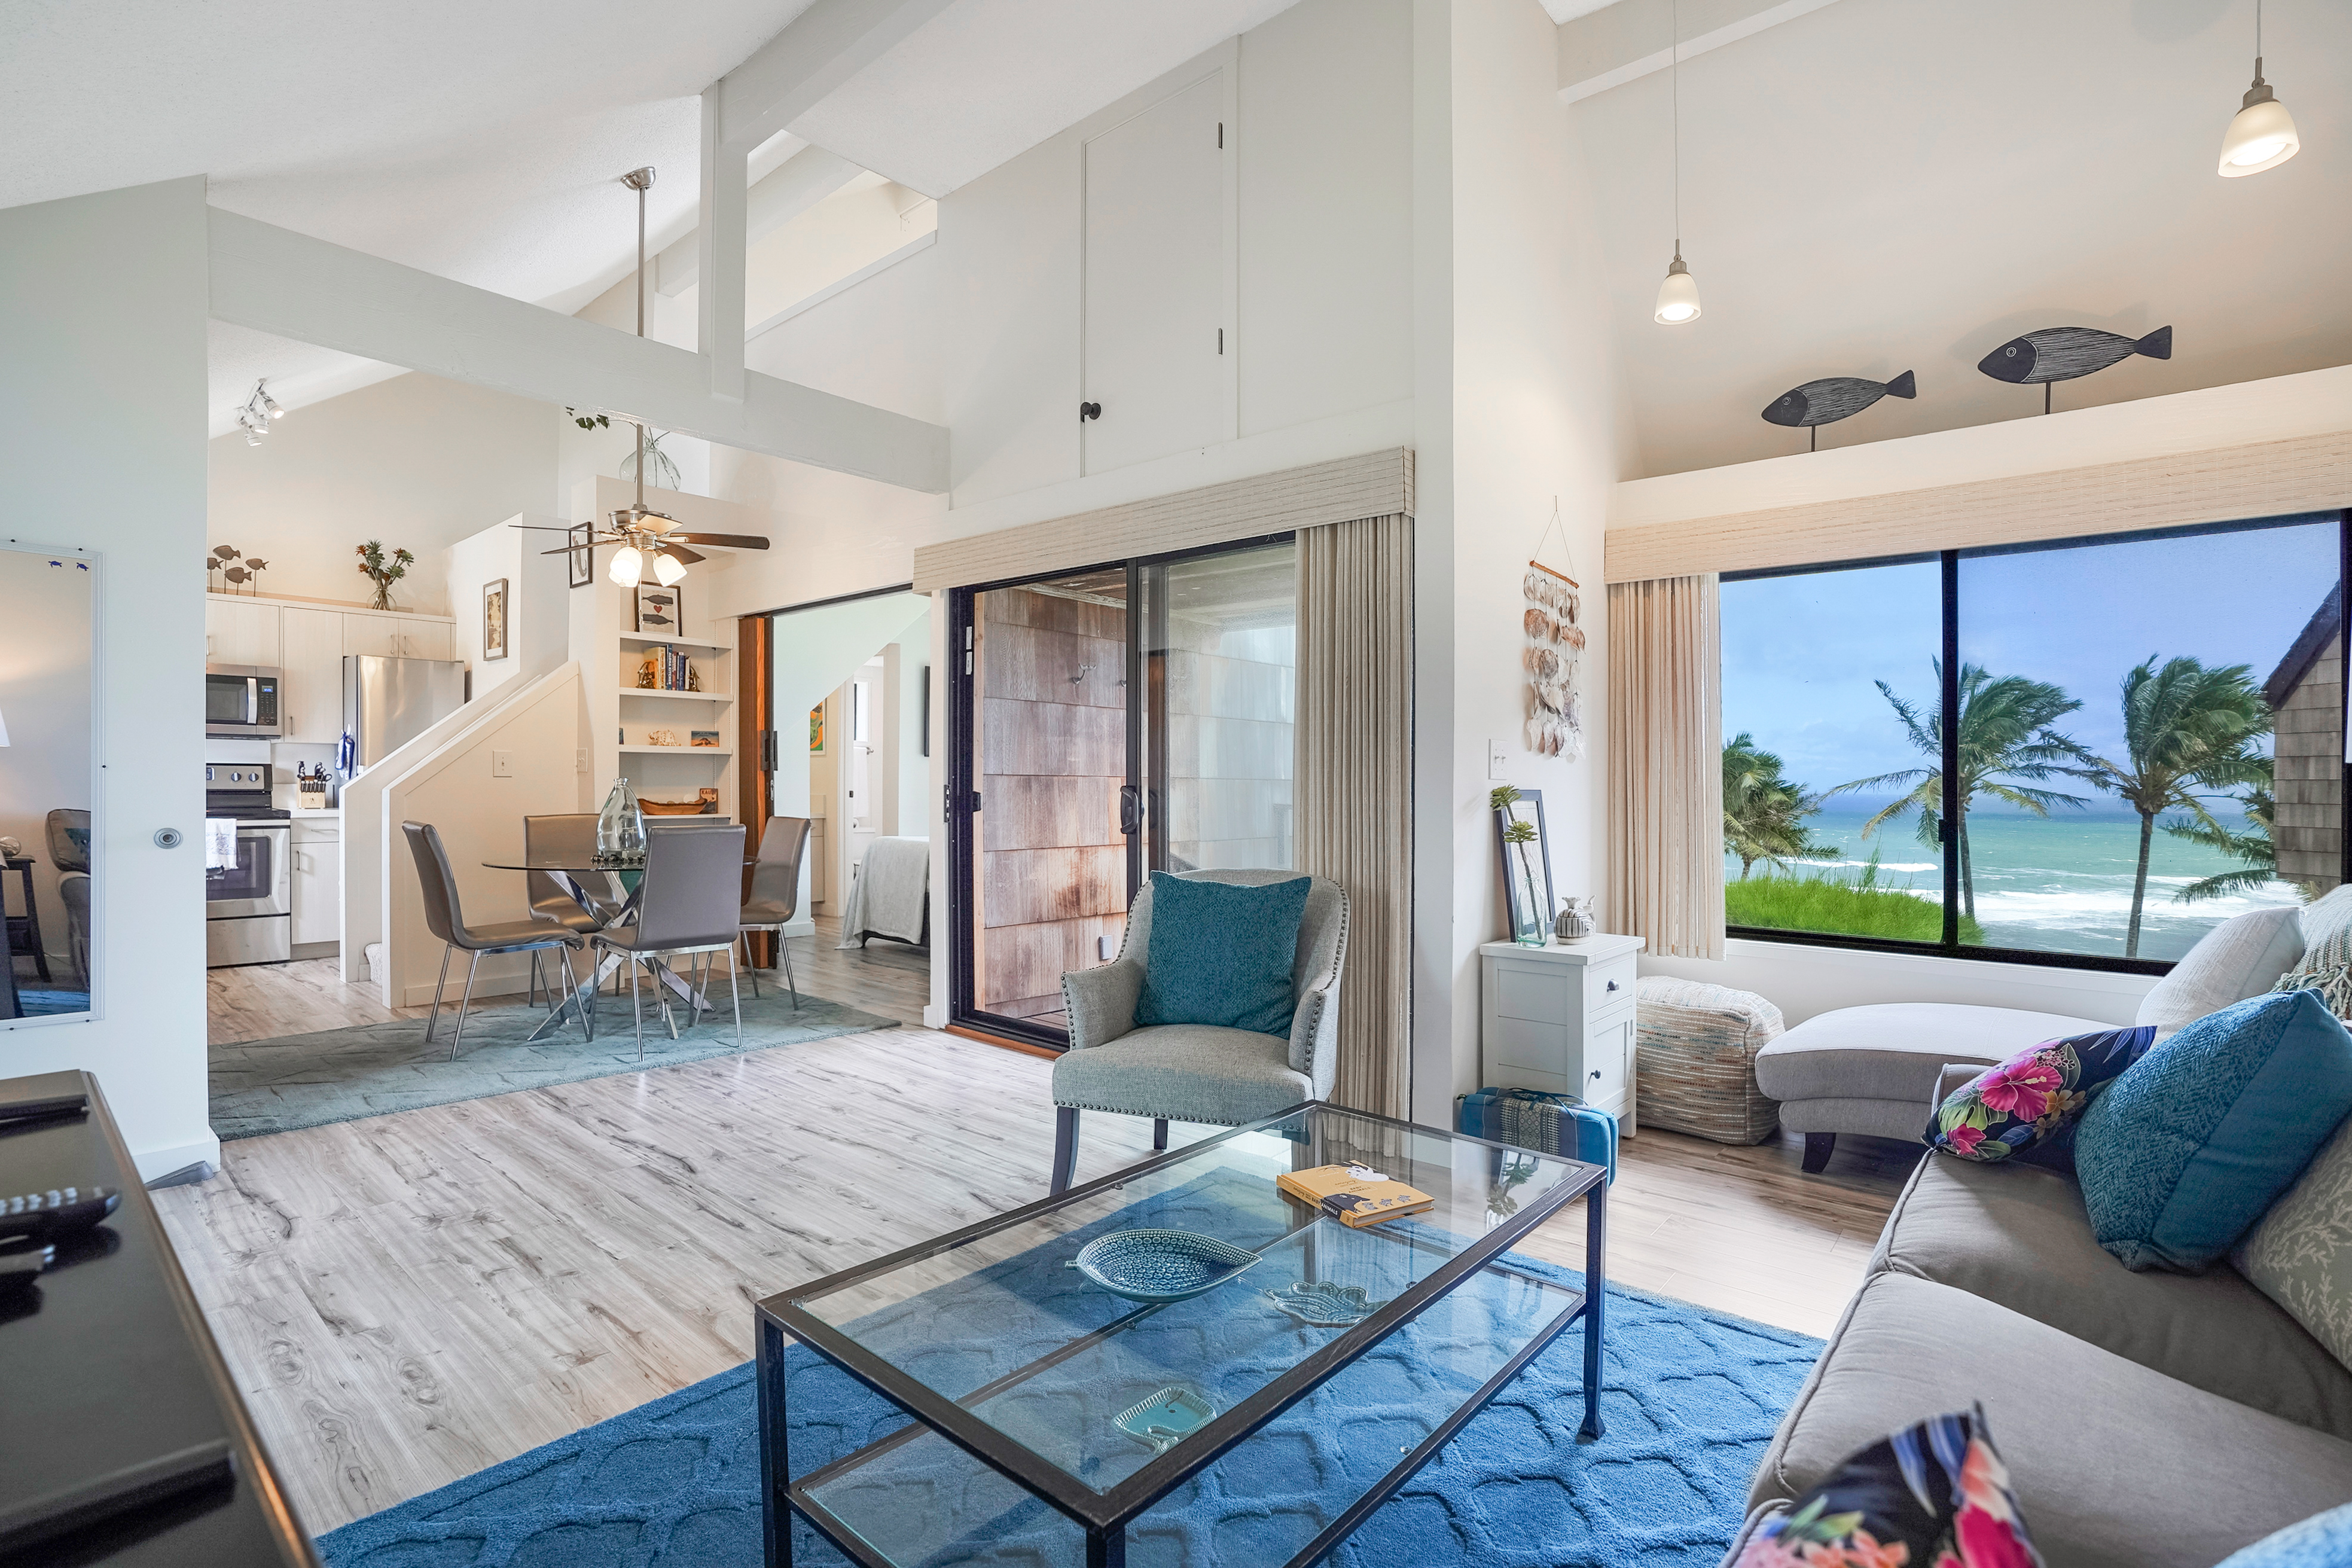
(310, 813)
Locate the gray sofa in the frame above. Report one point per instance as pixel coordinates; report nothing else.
(2148, 1420)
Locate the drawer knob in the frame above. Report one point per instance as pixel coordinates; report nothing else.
(1613, 985)
(1596, 1072)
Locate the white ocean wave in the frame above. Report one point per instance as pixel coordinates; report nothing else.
(2076, 908)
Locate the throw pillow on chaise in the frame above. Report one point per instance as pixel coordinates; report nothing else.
(2300, 1253)
(2182, 1153)
(2028, 1098)
(1221, 953)
(1932, 1494)
(2326, 964)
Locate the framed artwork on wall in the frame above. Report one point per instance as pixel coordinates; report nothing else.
(581, 561)
(816, 731)
(494, 619)
(926, 710)
(655, 610)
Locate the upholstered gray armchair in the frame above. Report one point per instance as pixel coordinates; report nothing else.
(1198, 1072)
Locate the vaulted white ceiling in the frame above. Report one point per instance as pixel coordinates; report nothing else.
(1882, 185)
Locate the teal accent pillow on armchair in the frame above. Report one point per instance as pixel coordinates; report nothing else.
(1221, 953)
(2186, 1150)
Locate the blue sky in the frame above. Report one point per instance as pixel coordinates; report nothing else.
(1800, 653)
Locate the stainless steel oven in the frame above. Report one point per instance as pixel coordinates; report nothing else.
(248, 869)
(241, 702)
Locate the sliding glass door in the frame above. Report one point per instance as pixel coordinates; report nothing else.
(1109, 722)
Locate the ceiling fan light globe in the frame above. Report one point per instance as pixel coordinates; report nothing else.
(628, 566)
(668, 569)
(2260, 136)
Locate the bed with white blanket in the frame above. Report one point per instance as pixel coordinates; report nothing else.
(891, 894)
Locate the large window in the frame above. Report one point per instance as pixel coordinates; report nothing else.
(2149, 739)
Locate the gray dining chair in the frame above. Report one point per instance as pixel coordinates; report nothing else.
(1198, 1072)
(685, 906)
(68, 831)
(569, 837)
(446, 920)
(775, 896)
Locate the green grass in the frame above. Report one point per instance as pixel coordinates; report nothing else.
(1816, 903)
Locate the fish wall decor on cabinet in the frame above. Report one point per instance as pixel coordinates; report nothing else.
(1833, 398)
(2054, 354)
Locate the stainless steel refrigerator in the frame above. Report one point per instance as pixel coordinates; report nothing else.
(388, 702)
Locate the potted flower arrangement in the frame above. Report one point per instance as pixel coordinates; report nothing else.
(383, 570)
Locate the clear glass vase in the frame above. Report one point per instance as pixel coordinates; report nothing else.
(621, 826)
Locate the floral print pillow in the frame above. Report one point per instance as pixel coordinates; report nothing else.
(1931, 1496)
(2035, 1094)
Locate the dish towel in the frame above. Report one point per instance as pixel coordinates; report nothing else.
(220, 842)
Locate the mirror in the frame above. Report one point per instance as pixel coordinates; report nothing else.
(47, 742)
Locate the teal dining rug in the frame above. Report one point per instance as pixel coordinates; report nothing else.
(1690, 1398)
(260, 1087)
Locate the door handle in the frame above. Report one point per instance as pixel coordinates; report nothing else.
(1130, 809)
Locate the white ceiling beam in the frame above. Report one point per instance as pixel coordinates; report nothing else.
(275, 280)
(1628, 40)
(818, 51)
(789, 189)
(723, 253)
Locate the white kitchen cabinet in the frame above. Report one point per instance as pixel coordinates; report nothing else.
(398, 637)
(1560, 1019)
(318, 881)
(240, 631)
(312, 702)
(428, 639)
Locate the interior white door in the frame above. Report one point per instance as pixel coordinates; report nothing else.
(1155, 282)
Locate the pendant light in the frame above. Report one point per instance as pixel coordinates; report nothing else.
(2261, 134)
(1678, 295)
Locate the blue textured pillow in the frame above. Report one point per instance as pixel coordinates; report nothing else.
(1221, 953)
(2322, 1541)
(2186, 1150)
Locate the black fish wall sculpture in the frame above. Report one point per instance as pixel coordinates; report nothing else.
(2062, 353)
(1833, 398)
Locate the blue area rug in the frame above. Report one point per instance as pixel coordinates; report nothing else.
(1690, 1399)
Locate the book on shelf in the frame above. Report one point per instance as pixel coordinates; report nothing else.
(1355, 1196)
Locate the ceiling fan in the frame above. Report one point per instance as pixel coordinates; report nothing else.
(642, 533)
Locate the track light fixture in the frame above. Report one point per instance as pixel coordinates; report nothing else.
(2262, 133)
(258, 411)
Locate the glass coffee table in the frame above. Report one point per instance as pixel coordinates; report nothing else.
(1053, 1422)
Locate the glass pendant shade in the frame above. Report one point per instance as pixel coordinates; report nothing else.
(2262, 135)
(668, 569)
(628, 566)
(1677, 296)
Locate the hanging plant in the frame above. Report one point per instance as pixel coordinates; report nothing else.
(383, 570)
(661, 471)
(588, 421)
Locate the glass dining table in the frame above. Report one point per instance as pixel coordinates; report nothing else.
(609, 893)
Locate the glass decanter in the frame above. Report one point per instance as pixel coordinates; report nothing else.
(621, 826)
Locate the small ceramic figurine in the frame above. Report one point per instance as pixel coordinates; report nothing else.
(1575, 922)
(661, 737)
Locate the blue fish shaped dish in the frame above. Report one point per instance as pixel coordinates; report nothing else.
(1159, 1265)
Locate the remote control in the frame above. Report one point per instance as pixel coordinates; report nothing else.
(60, 1211)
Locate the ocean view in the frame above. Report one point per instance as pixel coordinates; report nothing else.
(2061, 884)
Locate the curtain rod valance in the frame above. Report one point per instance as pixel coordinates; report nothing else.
(1376, 484)
(2271, 478)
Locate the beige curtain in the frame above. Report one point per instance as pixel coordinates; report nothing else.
(1355, 782)
(1665, 765)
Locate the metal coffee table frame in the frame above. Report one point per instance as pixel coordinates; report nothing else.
(1104, 1515)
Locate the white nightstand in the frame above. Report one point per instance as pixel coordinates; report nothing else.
(1561, 1017)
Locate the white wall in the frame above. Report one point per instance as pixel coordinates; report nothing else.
(1802, 981)
(415, 461)
(538, 627)
(45, 703)
(103, 308)
(1531, 416)
(907, 800)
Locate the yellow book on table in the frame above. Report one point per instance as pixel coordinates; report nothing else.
(1355, 1196)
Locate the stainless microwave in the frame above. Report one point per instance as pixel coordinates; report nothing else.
(241, 702)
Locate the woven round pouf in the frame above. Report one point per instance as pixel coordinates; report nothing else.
(1695, 1059)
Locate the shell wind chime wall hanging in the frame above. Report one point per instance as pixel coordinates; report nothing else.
(1552, 647)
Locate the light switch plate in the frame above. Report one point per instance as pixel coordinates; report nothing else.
(580, 761)
(1499, 760)
(501, 764)
(1103, 948)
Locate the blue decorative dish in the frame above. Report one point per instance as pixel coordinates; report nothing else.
(1324, 1305)
(1159, 1265)
(1166, 1417)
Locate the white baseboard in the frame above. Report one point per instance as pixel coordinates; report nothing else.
(154, 1162)
(806, 926)
(935, 1017)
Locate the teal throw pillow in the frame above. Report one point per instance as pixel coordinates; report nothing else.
(2322, 1541)
(1221, 953)
(2184, 1152)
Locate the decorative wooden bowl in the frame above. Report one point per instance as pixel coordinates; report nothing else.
(707, 802)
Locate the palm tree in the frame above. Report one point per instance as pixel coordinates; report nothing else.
(2005, 737)
(2255, 849)
(2187, 729)
(1763, 813)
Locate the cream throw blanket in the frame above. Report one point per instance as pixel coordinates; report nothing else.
(892, 893)
(2326, 964)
